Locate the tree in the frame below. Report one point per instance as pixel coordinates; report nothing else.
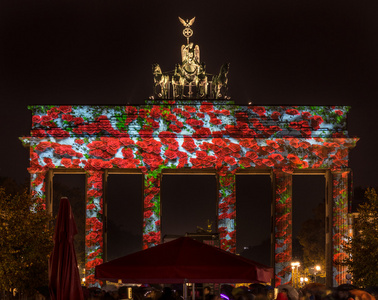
(25, 243)
(312, 238)
(10, 185)
(362, 248)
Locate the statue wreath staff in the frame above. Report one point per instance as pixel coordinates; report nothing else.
(187, 32)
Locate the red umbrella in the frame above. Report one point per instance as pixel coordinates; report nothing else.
(183, 260)
(63, 271)
(362, 295)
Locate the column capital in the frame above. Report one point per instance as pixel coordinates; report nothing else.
(37, 171)
(281, 171)
(94, 171)
(341, 171)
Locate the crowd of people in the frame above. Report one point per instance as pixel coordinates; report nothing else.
(312, 291)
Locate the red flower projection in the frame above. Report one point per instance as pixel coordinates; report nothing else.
(217, 135)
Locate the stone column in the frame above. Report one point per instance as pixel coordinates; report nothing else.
(282, 224)
(151, 210)
(49, 191)
(339, 225)
(227, 212)
(94, 248)
(105, 214)
(38, 182)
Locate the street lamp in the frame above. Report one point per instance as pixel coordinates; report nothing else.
(304, 280)
(294, 267)
(317, 269)
(293, 274)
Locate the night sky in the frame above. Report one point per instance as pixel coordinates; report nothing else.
(100, 52)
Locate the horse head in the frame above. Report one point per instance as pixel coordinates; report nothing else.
(224, 69)
(178, 70)
(156, 70)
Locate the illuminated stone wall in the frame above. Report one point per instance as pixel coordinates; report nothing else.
(196, 135)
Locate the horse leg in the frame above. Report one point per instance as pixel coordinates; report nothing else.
(155, 88)
(164, 88)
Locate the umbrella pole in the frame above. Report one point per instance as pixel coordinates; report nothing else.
(185, 288)
(193, 291)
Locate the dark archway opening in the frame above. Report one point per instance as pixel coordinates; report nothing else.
(188, 204)
(253, 217)
(309, 223)
(124, 214)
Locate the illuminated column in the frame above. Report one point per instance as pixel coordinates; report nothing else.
(105, 215)
(38, 187)
(49, 191)
(227, 212)
(339, 225)
(282, 213)
(94, 250)
(151, 210)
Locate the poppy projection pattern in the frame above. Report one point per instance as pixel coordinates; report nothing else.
(216, 135)
(227, 212)
(340, 228)
(94, 224)
(283, 227)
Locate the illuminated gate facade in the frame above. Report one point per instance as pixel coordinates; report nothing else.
(191, 126)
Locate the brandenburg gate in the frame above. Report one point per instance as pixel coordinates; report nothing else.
(190, 125)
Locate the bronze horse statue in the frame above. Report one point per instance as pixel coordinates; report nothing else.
(160, 79)
(178, 82)
(201, 81)
(220, 81)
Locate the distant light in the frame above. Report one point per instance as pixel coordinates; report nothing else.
(250, 103)
(295, 264)
(224, 296)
